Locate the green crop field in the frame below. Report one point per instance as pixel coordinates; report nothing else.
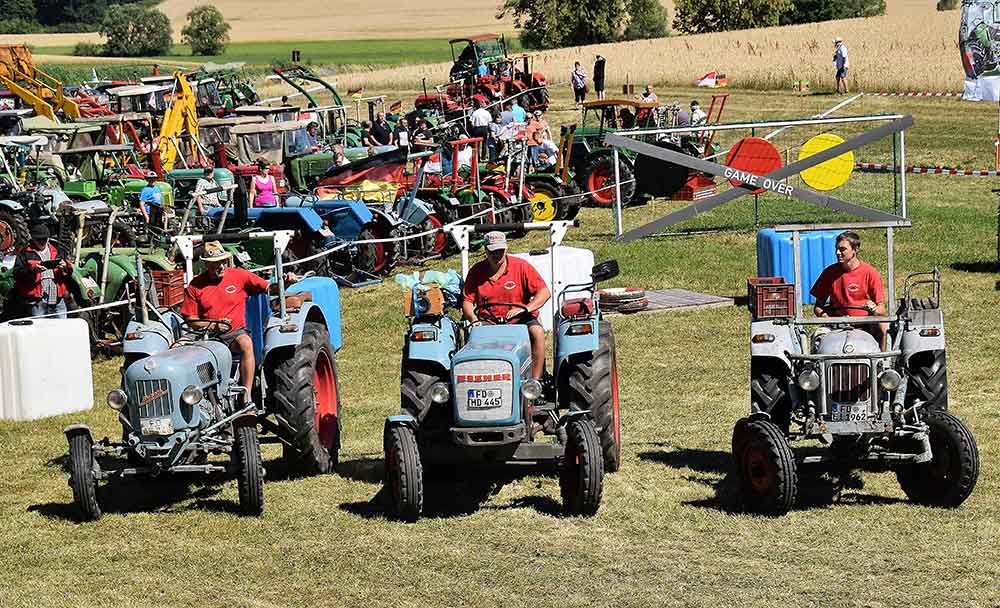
(669, 532)
(334, 52)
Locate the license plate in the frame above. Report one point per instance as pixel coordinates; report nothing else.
(157, 426)
(326, 232)
(243, 257)
(88, 282)
(850, 413)
(483, 399)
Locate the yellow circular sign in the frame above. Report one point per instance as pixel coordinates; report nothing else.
(828, 174)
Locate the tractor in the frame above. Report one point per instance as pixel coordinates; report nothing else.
(505, 75)
(829, 379)
(180, 400)
(468, 398)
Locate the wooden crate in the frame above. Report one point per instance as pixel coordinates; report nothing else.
(770, 297)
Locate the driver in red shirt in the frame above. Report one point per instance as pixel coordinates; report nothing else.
(501, 279)
(220, 294)
(851, 283)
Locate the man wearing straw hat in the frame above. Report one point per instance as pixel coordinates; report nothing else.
(840, 62)
(220, 294)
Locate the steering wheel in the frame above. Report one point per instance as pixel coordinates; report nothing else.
(212, 329)
(825, 308)
(485, 310)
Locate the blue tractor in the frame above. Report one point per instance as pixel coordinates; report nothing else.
(468, 398)
(181, 401)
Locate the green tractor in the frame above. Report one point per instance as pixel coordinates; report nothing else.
(110, 172)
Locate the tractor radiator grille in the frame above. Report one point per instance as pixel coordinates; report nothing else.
(850, 382)
(206, 373)
(154, 398)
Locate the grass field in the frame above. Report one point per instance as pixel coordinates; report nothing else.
(667, 534)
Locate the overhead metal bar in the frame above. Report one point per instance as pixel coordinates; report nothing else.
(794, 122)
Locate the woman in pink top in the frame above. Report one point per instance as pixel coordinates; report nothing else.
(262, 187)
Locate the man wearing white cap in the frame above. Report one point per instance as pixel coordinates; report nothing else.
(840, 62)
(220, 294)
(501, 279)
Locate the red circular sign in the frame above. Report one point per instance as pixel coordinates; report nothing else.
(753, 155)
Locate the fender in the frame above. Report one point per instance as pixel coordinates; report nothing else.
(923, 322)
(783, 342)
(567, 346)
(400, 420)
(10, 205)
(571, 415)
(276, 340)
(438, 351)
(74, 430)
(416, 211)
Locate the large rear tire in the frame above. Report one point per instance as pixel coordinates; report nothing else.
(599, 181)
(249, 470)
(581, 479)
(13, 232)
(765, 466)
(307, 403)
(929, 380)
(404, 476)
(82, 479)
(949, 478)
(592, 384)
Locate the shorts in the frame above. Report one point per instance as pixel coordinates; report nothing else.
(580, 95)
(229, 339)
(526, 319)
(841, 73)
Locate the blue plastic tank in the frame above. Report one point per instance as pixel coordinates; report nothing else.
(775, 258)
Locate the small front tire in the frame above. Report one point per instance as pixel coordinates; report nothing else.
(249, 470)
(765, 466)
(83, 480)
(581, 480)
(404, 473)
(951, 475)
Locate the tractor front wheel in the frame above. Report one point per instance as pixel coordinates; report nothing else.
(581, 479)
(599, 181)
(83, 480)
(13, 232)
(765, 466)
(307, 402)
(592, 385)
(404, 474)
(949, 478)
(249, 470)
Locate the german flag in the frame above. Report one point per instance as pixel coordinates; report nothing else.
(356, 92)
(396, 106)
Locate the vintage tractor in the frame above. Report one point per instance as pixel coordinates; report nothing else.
(468, 397)
(829, 379)
(181, 402)
(505, 76)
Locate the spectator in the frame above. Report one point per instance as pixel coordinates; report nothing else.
(519, 114)
(537, 123)
(626, 118)
(599, 77)
(483, 70)
(543, 152)
(422, 137)
(41, 273)
(149, 195)
(496, 142)
(648, 95)
(698, 116)
(507, 115)
(339, 159)
(312, 136)
(401, 134)
(464, 156)
(205, 195)
(479, 122)
(366, 137)
(380, 132)
(578, 80)
(263, 191)
(840, 62)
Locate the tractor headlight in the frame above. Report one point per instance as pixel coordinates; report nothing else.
(117, 399)
(890, 379)
(440, 393)
(192, 395)
(531, 389)
(808, 380)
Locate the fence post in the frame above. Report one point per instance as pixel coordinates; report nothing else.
(618, 197)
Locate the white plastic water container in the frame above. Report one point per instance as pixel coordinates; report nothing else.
(573, 266)
(44, 368)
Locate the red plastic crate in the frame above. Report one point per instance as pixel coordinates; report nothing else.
(770, 297)
(169, 286)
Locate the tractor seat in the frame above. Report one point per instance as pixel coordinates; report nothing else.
(578, 308)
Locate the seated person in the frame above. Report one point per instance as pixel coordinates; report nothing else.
(149, 195)
(851, 282)
(312, 136)
(504, 279)
(205, 191)
(544, 152)
(626, 118)
(220, 293)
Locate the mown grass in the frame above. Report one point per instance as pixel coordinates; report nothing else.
(667, 533)
(314, 52)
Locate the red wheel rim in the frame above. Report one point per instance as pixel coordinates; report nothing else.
(325, 399)
(7, 238)
(438, 240)
(614, 401)
(599, 179)
(757, 470)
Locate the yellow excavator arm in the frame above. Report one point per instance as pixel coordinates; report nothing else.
(180, 126)
(41, 91)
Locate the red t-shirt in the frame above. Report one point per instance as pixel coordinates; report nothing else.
(208, 298)
(849, 288)
(517, 284)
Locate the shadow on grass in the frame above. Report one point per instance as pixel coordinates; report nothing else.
(368, 470)
(818, 487)
(981, 267)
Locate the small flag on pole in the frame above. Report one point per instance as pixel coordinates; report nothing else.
(356, 92)
(396, 106)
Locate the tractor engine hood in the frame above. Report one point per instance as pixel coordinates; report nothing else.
(154, 384)
(487, 375)
(847, 342)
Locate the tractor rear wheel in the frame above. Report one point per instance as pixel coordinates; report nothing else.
(432, 245)
(569, 205)
(404, 476)
(592, 384)
(373, 258)
(13, 232)
(545, 202)
(249, 470)
(599, 181)
(765, 466)
(949, 478)
(82, 479)
(929, 380)
(306, 400)
(581, 478)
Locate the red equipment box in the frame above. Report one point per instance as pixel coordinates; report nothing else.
(169, 286)
(770, 297)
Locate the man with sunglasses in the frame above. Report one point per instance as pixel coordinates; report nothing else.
(501, 279)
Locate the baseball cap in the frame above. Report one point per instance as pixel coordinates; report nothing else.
(213, 251)
(495, 241)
